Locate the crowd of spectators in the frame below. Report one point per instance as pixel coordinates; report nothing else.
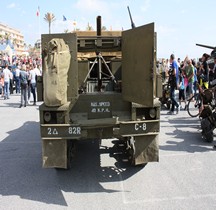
(183, 76)
(19, 75)
(12, 80)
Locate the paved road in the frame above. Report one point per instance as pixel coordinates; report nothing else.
(185, 177)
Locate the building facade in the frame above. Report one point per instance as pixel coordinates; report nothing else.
(15, 36)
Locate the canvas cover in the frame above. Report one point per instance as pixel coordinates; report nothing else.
(56, 60)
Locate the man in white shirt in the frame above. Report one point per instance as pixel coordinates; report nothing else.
(32, 75)
(37, 70)
(7, 76)
(17, 79)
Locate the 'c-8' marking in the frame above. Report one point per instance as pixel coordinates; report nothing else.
(142, 126)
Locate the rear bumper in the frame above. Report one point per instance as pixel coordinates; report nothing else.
(117, 129)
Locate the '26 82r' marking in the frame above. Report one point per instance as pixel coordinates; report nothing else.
(70, 130)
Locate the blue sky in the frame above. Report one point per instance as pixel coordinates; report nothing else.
(179, 24)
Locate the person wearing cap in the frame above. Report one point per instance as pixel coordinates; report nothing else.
(24, 85)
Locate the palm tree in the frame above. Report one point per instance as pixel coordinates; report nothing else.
(49, 17)
(89, 28)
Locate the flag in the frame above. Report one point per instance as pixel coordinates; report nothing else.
(38, 11)
(64, 18)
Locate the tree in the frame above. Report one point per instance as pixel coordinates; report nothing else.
(49, 17)
(103, 28)
(66, 31)
(89, 28)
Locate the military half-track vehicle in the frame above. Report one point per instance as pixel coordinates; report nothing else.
(99, 85)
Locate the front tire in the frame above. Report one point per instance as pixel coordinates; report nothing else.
(194, 105)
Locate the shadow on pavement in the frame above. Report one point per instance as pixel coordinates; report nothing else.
(14, 105)
(187, 134)
(21, 171)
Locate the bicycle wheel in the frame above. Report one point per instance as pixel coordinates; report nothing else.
(194, 104)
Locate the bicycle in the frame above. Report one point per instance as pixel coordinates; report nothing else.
(196, 102)
(194, 105)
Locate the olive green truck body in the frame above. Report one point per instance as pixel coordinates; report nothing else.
(111, 90)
